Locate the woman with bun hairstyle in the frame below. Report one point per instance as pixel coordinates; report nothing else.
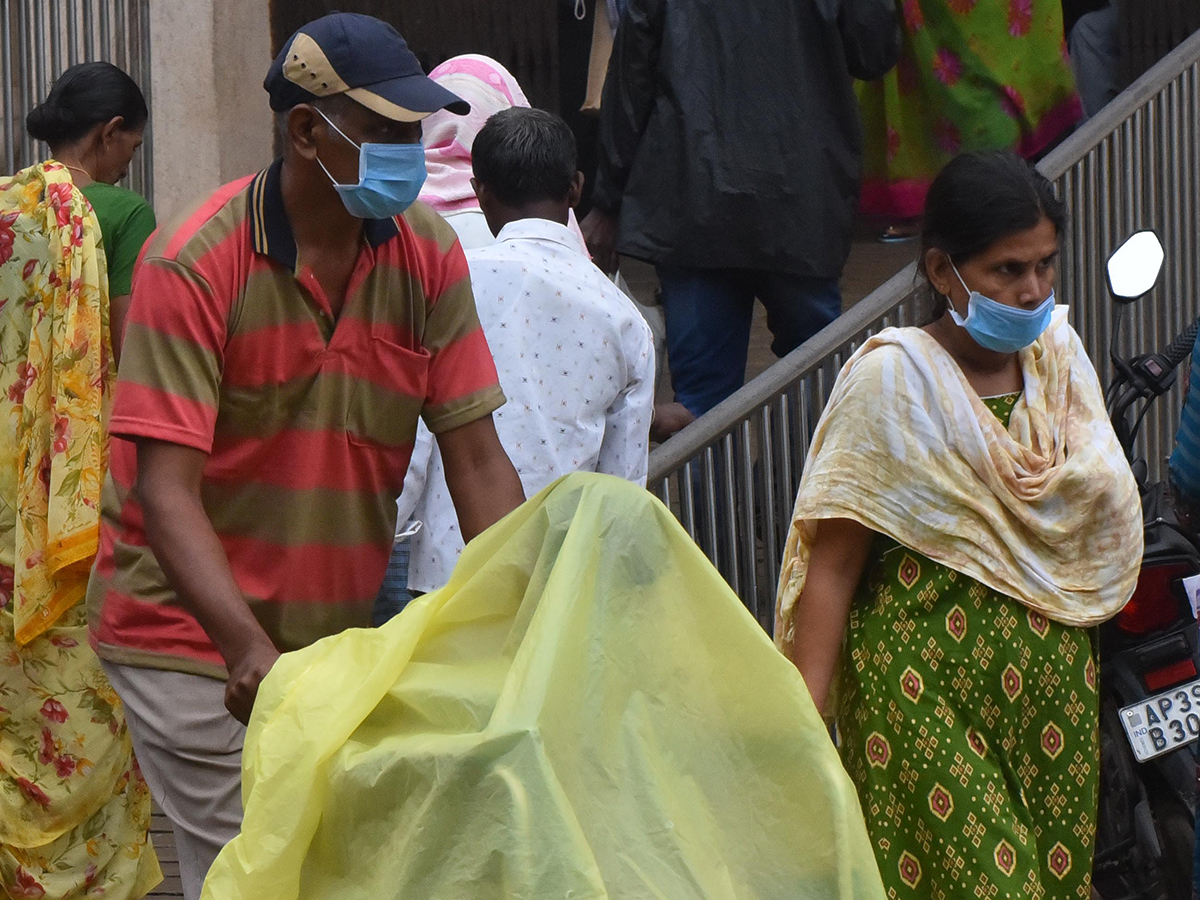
(93, 120)
(74, 810)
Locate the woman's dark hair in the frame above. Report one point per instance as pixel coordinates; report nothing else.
(84, 96)
(979, 198)
(524, 156)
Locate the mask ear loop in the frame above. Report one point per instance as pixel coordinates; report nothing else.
(958, 317)
(333, 125)
(346, 138)
(333, 180)
(958, 275)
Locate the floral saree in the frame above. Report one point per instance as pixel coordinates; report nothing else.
(74, 810)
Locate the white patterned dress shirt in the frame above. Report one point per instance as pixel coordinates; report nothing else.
(576, 361)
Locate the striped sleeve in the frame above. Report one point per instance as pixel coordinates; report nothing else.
(171, 362)
(463, 384)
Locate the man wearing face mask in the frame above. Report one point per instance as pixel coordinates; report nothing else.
(282, 342)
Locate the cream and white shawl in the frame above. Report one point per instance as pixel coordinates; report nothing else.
(1046, 511)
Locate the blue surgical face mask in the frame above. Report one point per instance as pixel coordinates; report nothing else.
(390, 176)
(999, 327)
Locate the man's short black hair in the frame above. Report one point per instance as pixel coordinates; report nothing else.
(525, 156)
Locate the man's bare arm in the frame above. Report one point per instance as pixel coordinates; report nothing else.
(187, 548)
(483, 483)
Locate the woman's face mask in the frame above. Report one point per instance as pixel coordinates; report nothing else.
(997, 326)
(390, 177)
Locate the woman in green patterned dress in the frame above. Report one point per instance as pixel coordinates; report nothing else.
(965, 514)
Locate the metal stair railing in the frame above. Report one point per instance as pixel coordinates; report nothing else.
(731, 477)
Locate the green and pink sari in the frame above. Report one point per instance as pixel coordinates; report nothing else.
(972, 75)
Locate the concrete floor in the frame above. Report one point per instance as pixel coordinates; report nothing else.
(870, 265)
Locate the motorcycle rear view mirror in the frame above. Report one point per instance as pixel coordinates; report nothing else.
(1134, 266)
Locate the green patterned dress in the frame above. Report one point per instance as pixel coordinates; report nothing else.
(969, 725)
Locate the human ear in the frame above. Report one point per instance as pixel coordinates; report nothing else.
(939, 271)
(487, 200)
(110, 128)
(488, 205)
(302, 122)
(576, 192)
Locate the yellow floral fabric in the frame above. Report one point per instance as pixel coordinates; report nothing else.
(74, 809)
(55, 388)
(1044, 510)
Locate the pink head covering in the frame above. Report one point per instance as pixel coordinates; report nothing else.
(489, 88)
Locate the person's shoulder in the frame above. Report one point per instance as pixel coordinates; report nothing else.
(889, 355)
(423, 223)
(1062, 331)
(121, 208)
(615, 301)
(893, 345)
(115, 205)
(594, 294)
(494, 266)
(498, 251)
(113, 193)
(206, 223)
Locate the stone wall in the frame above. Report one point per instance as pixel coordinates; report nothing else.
(211, 121)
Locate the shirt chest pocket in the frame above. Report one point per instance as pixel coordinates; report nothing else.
(386, 394)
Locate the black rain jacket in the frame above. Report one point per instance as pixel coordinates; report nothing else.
(729, 130)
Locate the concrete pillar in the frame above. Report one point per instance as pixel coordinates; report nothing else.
(210, 118)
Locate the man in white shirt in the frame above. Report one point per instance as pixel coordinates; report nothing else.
(575, 357)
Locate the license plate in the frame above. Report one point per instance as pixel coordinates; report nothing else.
(1164, 722)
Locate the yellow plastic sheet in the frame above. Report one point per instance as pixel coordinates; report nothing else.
(585, 711)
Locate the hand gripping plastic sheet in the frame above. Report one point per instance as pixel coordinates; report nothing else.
(585, 711)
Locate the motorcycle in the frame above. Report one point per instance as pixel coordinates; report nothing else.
(1149, 654)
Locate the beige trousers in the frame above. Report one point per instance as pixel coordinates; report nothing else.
(190, 751)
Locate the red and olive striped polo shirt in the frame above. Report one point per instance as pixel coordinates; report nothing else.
(308, 423)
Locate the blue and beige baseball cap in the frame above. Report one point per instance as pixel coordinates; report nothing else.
(362, 57)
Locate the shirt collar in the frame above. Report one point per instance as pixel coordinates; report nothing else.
(542, 230)
(272, 232)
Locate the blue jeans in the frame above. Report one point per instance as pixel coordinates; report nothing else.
(709, 312)
(393, 593)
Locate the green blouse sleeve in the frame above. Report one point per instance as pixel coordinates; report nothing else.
(126, 221)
